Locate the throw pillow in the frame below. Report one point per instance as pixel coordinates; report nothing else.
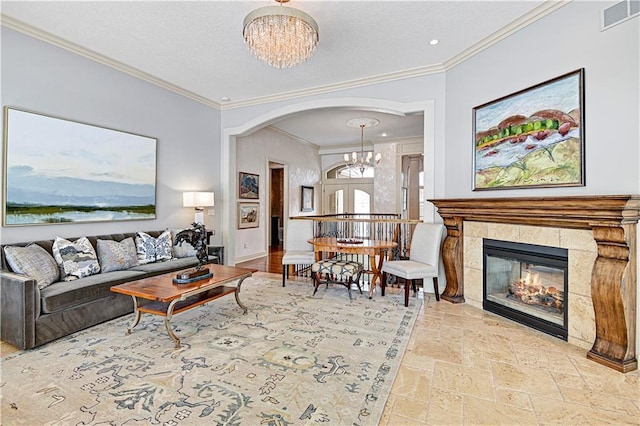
(116, 256)
(34, 262)
(181, 250)
(76, 259)
(151, 249)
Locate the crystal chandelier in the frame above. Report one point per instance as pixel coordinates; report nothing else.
(363, 162)
(281, 36)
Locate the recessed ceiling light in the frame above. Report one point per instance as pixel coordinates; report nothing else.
(384, 134)
(434, 42)
(226, 99)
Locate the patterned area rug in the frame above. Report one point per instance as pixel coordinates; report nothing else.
(293, 359)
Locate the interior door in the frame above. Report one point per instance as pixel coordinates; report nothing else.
(342, 197)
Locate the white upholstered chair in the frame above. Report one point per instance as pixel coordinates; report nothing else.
(423, 262)
(297, 250)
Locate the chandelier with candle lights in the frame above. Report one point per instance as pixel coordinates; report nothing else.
(363, 162)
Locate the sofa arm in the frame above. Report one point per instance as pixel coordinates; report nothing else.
(18, 309)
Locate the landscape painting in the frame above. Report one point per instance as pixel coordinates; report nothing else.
(62, 171)
(249, 185)
(532, 138)
(248, 215)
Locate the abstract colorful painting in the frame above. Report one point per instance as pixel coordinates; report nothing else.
(532, 138)
(62, 171)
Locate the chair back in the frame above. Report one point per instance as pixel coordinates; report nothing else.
(426, 242)
(297, 233)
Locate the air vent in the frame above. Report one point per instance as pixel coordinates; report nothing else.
(620, 12)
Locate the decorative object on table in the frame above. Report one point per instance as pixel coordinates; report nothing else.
(532, 138)
(349, 241)
(363, 163)
(307, 199)
(248, 215)
(265, 28)
(248, 185)
(226, 363)
(198, 200)
(44, 184)
(197, 237)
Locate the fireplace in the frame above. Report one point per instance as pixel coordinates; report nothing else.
(527, 283)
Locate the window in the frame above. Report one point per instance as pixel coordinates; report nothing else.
(349, 172)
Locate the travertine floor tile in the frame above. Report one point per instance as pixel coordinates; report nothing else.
(461, 380)
(552, 411)
(604, 401)
(482, 412)
(515, 398)
(412, 383)
(534, 381)
(445, 408)
(411, 409)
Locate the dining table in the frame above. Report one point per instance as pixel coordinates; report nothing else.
(377, 250)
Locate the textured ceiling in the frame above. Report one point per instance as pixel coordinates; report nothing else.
(197, 46)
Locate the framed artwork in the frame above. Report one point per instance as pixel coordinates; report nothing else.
(532, 138)
(307, 199)
(249, 186)
(248, 215)
(62, 171)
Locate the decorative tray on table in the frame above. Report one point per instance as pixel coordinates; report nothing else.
(349, 241)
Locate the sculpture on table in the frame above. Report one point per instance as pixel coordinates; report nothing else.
(196, 236)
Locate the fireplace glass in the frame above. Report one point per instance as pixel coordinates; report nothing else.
(527, 283)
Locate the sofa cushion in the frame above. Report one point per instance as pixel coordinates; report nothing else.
(34, 262)
(65, 295)
(76, 259)
(116, 256)
(151, 249)
(167, 266)
(184, 249)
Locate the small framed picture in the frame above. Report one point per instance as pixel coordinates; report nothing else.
(248, 215)
(307, 199)
(248, 185)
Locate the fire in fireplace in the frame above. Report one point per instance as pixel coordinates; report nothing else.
(527, 283)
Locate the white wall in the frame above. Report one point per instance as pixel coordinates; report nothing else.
(302, 167)
(39, 77)
(564, 41)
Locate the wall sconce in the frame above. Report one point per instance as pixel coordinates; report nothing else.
(198, 200)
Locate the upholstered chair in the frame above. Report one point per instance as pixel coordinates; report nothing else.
(423, 262)
(297, 250)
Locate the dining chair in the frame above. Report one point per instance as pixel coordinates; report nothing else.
(423, 262)
(297, 250)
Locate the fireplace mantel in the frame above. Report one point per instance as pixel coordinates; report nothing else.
(612, 220)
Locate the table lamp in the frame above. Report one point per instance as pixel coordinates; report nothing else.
(198, 200)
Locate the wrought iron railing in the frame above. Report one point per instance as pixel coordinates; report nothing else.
(376, 226)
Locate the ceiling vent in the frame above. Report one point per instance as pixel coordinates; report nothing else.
(619, 12)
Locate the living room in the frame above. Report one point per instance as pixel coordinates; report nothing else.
(197, 142)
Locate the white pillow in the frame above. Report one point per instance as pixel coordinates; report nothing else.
(76, 259)
(181, 250)
(151, 249)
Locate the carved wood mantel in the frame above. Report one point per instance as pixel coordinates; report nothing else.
(611, 218)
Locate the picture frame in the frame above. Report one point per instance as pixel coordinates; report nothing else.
(248, 186)
(248, 215)
(59, 171)
(306, 198)
(533, 138)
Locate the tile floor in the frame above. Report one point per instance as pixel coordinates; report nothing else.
(465, 366)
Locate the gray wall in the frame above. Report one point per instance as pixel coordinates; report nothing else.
(42, 78)
(564, 41)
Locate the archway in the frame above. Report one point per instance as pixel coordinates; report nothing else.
(228, 155)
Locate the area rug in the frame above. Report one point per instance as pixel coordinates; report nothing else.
(292, 359)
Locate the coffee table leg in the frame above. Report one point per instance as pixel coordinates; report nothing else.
(236, 294)
(136, 320)
(167, 323)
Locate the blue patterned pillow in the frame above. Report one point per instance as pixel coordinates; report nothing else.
(151, 249)
(34, 262)
(76, 259)
(117, 256)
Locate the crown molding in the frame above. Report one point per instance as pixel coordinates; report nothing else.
(296, 138)
(14, 24)
(539, 12)
(525, 20)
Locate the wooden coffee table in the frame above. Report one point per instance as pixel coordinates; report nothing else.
(168, 298)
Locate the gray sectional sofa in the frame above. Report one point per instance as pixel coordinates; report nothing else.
(31, 316)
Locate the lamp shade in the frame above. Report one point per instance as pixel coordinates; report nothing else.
(197, 199)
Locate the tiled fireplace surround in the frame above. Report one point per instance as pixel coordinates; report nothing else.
(600, 235)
